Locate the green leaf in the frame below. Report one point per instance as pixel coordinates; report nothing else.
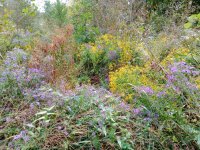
(104, 130)
(188, 25)
(175, 139)
(25, 10)
(41, 113)
(41, 118)
(50, 113)
(198, 139)
(30, 125)
(119, 142)
(49, 109)
(96, 143)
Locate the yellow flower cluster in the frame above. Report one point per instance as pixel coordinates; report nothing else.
(121, 78)
(124, 49)
(124, 74)
(107, 37)
(176, 55)
(126, 53)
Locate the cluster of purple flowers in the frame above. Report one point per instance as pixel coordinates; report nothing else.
(177, 78)
(22, 135)
(183, 67)
(45, 93)
(145, 114)
(14, 57)
(145, 89)
(15, 69)
(161, 93)
(124, 106)
(137, 111)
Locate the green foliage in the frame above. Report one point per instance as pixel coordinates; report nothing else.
(107, 54)
(193, 21)
(23, 13)
(56, 13)
(82, 18)
(158, 22)
(154, 76)
(6, 31)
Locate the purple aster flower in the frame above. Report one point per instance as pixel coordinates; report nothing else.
(124, 106)
(160, 94)
(18, 136)
(146, 89)
(100, 123)
(174, 69)
(181, 64)
(94, 134)
(187, 71)
(34, 70)
(147, 119)
(26, 138)
(195, 73)
(32, 106)
(171, 78)
(156, 116)
(65, 133)
(99, 46)
(23, 135)
(137, 111)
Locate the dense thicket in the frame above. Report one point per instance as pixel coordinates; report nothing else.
(100, 74)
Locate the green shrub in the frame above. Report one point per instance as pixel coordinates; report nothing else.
(193, 21)
(82, 18)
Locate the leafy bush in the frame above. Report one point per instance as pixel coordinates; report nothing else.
(173, 105)
(6, 33)
(193, 21)
(56, 13)
(107, 54)
(151, 81)
(82, 17)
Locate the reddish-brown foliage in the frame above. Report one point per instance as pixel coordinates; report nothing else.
(56, 58)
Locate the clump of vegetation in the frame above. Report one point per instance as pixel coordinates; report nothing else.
(193, 21)
(100, 75)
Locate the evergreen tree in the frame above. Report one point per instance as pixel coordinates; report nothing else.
(56, 12)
